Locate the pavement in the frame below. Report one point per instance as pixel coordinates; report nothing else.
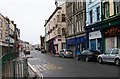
(32, 72)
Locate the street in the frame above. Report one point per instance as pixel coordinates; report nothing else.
(49, 65)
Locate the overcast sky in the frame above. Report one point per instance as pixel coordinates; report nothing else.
(29, 15)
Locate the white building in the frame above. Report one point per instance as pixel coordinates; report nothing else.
(55, 28)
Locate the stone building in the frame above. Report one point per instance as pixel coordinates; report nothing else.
(75, 28)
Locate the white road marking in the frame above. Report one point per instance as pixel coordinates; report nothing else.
(34, 70)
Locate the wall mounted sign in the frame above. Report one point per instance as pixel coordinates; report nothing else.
(112, 31)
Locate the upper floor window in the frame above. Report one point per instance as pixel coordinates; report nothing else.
(58, 18)
(117, 7)
(59, 31)
(106, 10)
(98, 13)
(63, 17)
(91, 17)
(91, 1)
(0, 22)
(0, 34)
(63, 31)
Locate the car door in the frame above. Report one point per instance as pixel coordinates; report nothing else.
(106, 55)
(84, 54)
(112, 55)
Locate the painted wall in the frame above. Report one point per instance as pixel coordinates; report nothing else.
(92, 6)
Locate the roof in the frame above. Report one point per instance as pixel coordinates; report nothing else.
(52, 15)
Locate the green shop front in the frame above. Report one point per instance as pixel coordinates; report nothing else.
(111, 33)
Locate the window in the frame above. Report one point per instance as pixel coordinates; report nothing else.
(63, 17)
(98, 13)
(115, 51)
(0, 22)
(59, 31)
(0, 34)
(106, 10)
(63, 31)
(91, 19)
(72, 29)
(77, 22)
(91, 1)
(58, 18)
(77, 26)
(117, 7)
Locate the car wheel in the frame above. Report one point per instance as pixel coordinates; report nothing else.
(100, 60)
(117, 62)
(87, 59)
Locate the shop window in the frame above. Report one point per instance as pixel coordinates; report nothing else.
(110, 42)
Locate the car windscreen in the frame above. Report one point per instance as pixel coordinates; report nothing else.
(85, 52)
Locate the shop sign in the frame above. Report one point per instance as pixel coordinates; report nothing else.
(112, 31)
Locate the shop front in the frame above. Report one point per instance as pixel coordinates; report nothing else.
(77, 44)
(111, 33)
(112, 37)
(94, 37)
(95, 40)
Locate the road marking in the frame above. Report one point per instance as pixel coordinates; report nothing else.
(60, 67)
(44, 67)
(34, 70)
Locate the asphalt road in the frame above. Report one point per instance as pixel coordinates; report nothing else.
(48, 65)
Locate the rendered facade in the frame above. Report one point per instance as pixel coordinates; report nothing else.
(93, 25)
(55, 30)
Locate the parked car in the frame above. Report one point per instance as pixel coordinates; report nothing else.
(88, 55)
(112, 56)
(43, 50)
(27, 51)
(65, 53)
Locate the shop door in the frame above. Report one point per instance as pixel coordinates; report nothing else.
(93, 44)
(100, 45)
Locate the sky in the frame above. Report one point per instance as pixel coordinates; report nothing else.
(29, 15)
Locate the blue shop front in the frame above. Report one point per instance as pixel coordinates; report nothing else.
(94, 37)
(76, 44)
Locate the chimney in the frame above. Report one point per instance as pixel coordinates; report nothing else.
(46, 21)
(12, 22)
(56, 3)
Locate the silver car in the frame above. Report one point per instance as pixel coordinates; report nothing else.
(65, 53)
(112, 56)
